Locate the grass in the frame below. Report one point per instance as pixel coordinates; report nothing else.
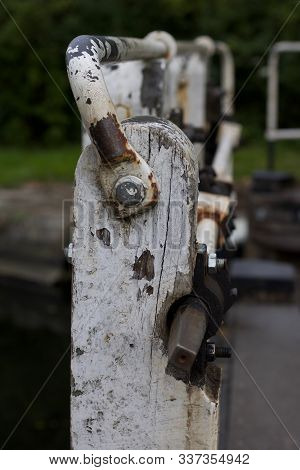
(253, 156)
(19, 165)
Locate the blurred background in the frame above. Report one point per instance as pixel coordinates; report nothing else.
(39, 147)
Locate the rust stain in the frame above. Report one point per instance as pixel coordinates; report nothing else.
(218, 216)
(212, 382)
(113, 147)
(143, 266)
(208, 213)
(154, 190)
(110, 140)
(107, 337)
(189, 418)
(127, 110)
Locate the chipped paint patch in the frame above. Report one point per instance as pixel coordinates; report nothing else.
(104, 235)
(143, 266)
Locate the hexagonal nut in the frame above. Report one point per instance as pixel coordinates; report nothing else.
(212, 263)
(130, 191)
(201, 248)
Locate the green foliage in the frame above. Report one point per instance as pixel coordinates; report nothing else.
(36, 105)
(253, 156)
(20, 165)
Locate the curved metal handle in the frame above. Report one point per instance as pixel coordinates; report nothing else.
(84, 57)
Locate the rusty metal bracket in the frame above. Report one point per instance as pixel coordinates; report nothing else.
(130, 183)
(197, 317)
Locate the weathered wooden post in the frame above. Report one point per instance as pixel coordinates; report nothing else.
(142, 308)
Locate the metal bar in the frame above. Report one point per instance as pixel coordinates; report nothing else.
(273, 133)
(211, 212)
(227, 77)
(208, 233)
(272, 93)
(229, 136)
(282, 134)
(190, 47)
(286, 46)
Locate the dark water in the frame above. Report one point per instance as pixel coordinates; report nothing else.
(34, 337)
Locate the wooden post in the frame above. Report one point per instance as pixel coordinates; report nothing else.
(126, 275)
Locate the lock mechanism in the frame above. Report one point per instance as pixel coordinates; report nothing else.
(197, 317)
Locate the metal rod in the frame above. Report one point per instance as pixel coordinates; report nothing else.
(190, 47)
(208, 233)
(282, 134)
(227, 77)
(229, 136)
(272, 93)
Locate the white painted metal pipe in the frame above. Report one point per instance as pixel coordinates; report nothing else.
(227, 77)
(229, 136)
(206, 46)
(208, 233)
(211, 212)
(272, 95)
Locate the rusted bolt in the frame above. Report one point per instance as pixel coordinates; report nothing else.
(130, 191)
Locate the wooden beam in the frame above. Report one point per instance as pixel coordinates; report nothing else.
(126, 275)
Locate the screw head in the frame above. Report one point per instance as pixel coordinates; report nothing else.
(201, 248)
(130, 191)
